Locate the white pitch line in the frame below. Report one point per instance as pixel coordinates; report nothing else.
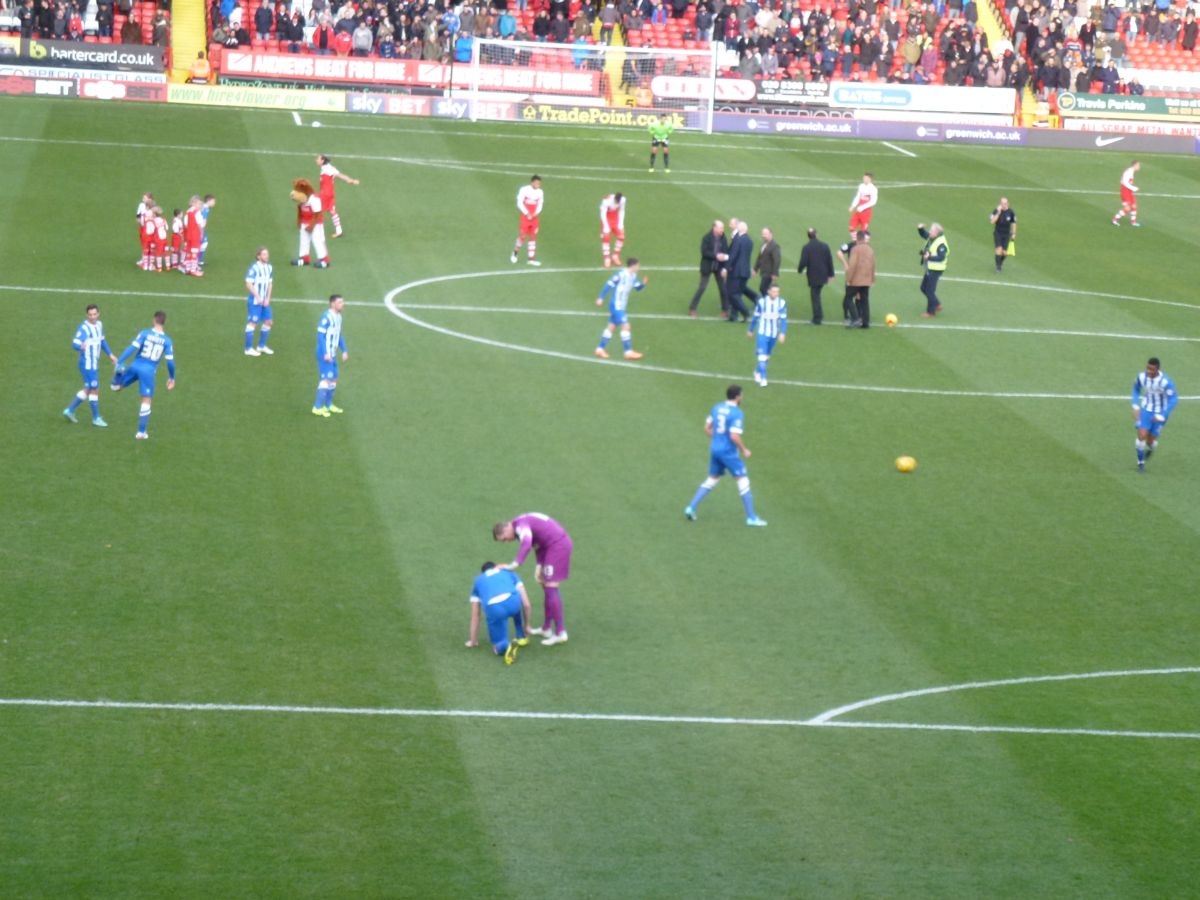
(730, 180)
(521, 715)
(296, 118)
(831, 714)
(899, 149)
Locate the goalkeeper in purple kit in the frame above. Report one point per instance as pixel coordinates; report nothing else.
(552, 549)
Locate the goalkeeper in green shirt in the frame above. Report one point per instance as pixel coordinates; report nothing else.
(660, 135)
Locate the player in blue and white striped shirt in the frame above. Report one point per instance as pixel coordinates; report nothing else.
(258, 303)
(617, 289)
(329, 342)
(1154, 397)
(89, 341)
(770, 325)
(148, 349)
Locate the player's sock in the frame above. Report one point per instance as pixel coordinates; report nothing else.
(743, 486)
(249, 335)
(264, 335)
(322, 391)
(554, 609)
(652, 158)
(701, 492)
(666, 159)
(337, 222)
(143, 417)
(329, 395)
(1120, 214)
(94, 403)
(606, 249)
(531, 248)
(605, 337)
(627, 340)
(761, 370)
(1000, 262)
(617, 251)
(76, 400)
(203, 250)
(1140, 445)
(1133, 217)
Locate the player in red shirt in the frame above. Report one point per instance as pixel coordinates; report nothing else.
(328, 195)
(529, 205)
(863, 206)
(158, 239)
(176, 257)
(193, 233)
(612, 222)
(143, 212)
(1128, 196)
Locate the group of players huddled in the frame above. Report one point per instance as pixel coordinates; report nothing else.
(179, 245)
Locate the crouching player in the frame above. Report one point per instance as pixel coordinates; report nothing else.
(501, 595)
(148, 349)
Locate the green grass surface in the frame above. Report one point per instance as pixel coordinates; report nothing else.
(250, 553)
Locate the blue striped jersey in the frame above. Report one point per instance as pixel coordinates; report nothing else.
(619, 287)
(89, 341)
(152, 347)
(770, 316)
(726, 419)
(329, 335)
(1156, 395)
(259, 277)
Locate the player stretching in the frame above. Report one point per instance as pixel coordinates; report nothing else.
(259, 283)
(89, 341)
(328, 193)
(1154, 397)
(552, 550)
(660, 136)
(329, 342)
(770, 325)
(1128, 197)
(863, 206)
(502, 596)
(148, 349)
(529, 204)
(726, 451)
(612, 222)
(617, 288)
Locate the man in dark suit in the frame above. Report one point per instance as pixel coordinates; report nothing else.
(817, 260)
(741, 248)
(768, 261)
(714, 251)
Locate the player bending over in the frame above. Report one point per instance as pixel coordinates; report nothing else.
(501, 595)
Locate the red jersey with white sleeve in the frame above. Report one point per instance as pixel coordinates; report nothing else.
(328, 195)
(529, 203)
(193, 228)
(862, 207)
(310, 212)
(177, 233)
(612, 215)
(1128, 188)
(158, 239)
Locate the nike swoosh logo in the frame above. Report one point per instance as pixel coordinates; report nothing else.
(1104, 142)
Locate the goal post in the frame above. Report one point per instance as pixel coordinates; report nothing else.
(591, 84)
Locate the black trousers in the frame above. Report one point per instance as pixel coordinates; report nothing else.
(738, 290)
(929, 288)
(863, 302)
(814, 292)
(704, 276)
(765, 283)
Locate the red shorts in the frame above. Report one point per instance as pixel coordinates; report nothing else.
(1128, 196)
(176, 242)
(861, 220)
(327, 202)
(529, 227)
(612, 229)
(157, 247)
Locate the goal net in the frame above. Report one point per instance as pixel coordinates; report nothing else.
(591, 84)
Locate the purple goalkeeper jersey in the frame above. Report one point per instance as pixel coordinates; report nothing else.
(537, 531)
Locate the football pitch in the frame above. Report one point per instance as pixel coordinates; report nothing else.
(232, 657)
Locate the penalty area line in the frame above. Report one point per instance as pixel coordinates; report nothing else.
(296, 118)
(899, 149)
(524, 715)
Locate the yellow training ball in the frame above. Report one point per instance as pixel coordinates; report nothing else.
(905, 464)
(890, 320)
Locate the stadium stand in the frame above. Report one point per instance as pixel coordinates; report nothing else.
(101, 22)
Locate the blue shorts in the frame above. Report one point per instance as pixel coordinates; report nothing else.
(256, 313)
(91, 378)
(618, 317)
(1146, 423)
(327, 371)
(143, 375)
(498, 615)
(720, 463)
(766, 345)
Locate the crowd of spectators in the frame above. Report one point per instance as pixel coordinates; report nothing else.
(79, 20)
(1056, 44)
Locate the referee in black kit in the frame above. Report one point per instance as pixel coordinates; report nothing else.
(1004, 225)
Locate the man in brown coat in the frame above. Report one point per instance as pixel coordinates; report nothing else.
(859, 261)
(768, 261)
